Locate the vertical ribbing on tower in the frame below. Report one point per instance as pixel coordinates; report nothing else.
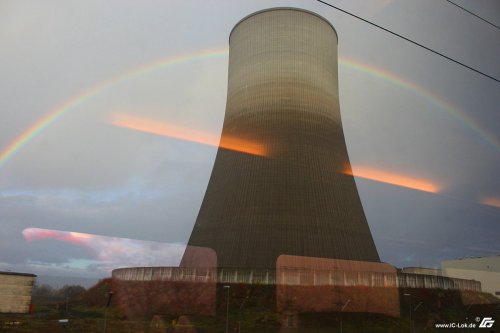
(298, 196)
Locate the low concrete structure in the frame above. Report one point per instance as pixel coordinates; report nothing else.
(422, 270)
(483, 269)
(307, 284)
(145, 291)
(299, 284)
(15, 292)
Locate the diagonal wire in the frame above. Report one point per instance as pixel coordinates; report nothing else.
(468, 11)
(411, 41)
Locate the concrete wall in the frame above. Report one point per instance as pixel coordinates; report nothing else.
(318, 276)
(422, 270)
(486, 270)
(15, 292)
(313, 285)
(142, 292)
(306, 284)
(411, 280)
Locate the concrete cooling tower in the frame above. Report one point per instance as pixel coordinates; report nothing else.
(282, 182)
(281, 223)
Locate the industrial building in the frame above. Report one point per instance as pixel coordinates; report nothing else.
(484, 269)
(281, 213)
(15, 292)
(297, 196)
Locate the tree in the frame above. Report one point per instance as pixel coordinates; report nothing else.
(71, 292)
(43, 290)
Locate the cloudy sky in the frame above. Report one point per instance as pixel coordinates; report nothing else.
(81, 193)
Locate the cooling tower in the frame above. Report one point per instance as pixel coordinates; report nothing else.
(281, 182)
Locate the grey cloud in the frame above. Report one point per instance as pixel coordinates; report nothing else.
(83, 174)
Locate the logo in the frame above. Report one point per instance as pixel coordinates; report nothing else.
(487, 322)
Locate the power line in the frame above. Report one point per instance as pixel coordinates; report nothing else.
(411, 41)
(468, 11)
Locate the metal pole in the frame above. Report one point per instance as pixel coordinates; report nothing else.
(340, 321)
(467, 317)
(415, 309)
(105, 320)
(411, 326)
(239, 314)
(106, 312)
(411, 320)
(227, 308)
(341, 314)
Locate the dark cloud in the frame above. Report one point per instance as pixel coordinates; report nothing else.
(404, 110)
(419, 228)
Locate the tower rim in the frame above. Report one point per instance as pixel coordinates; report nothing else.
(284, 8)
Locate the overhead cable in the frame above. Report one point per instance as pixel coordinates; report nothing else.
(468, 11)
(409, 40)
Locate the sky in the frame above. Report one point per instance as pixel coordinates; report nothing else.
(83, 192)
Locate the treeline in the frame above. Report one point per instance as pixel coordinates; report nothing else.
(68, 291)
(96, 295)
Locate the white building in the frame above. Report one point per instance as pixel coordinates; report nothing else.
(484, 269)
(15, 292)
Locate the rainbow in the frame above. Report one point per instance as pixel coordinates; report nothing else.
(30, 133)
(431, 97)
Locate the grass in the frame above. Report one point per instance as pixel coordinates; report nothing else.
(250, 311)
